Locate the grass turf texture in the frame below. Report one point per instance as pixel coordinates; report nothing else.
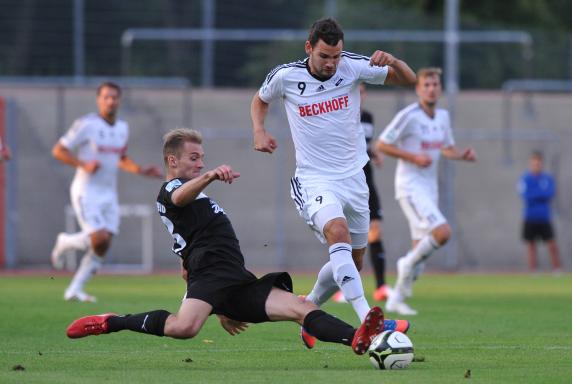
(504, 329)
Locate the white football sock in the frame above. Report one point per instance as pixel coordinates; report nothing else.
(324, 287)
(79, 241)
(422, 250)
(90, 264)
(347, 277)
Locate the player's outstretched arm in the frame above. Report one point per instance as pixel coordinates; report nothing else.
(128, 165)
(192, 188)
(420, 159)
(399, 72)
(64, 155)
(263, 141)
(453, 153)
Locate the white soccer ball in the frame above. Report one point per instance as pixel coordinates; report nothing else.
(391, 350)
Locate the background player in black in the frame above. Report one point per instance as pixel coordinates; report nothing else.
(213, 267)
(375, 235)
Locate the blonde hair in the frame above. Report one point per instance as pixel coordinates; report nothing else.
(428, 72)
(173, 141)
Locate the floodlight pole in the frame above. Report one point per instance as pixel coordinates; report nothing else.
(78, 40)
(208, 45)
(451, 89)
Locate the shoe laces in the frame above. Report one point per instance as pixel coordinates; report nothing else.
(95, 327)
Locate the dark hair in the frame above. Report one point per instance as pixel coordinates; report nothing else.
(537, 154)
(328, 30)
(108, 84)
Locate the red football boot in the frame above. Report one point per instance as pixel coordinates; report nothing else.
(89, 325)
(308, 340)
(371, 326)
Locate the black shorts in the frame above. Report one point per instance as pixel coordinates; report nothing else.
(375, 211)
(532, 231)
(235, 292)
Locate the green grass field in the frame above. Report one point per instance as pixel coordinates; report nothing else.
(504, 329)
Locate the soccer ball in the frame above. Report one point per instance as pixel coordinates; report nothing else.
(391, 350)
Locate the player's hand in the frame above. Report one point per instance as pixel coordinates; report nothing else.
(264, 142)
(151, 171)
(225, 174)
(91, 166)
(380, 58)
(469, 154)
(377, 158)
(422, 160)
(233, 327)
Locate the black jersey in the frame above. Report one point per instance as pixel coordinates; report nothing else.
(366, 120)
(202, 232)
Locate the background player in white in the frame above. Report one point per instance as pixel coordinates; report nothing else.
(100, 143)
(322, 102)
(418, 135)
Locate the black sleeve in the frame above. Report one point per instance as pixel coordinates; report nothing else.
(170, 187)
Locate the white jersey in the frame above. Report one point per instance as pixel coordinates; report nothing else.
(95, 139)
(324, 116)
(414, 131)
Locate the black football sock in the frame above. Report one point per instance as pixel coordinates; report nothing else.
(152, 323)
(377, 254)
(326, 327)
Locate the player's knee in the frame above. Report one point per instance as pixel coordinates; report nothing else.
(442, 233)
(336, 231)
(185, 331)
(100, 242)
(100, 249)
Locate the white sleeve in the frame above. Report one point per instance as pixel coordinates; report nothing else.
(76, 135)
(372, 74)
(272, 88)
(396, 128)
(449, 141)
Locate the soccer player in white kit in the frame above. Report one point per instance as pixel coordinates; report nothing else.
(96, 145)
(322, 102)
(418, 135)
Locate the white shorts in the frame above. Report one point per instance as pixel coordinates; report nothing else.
(422, 213)
(96, 211)
(347, 198)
